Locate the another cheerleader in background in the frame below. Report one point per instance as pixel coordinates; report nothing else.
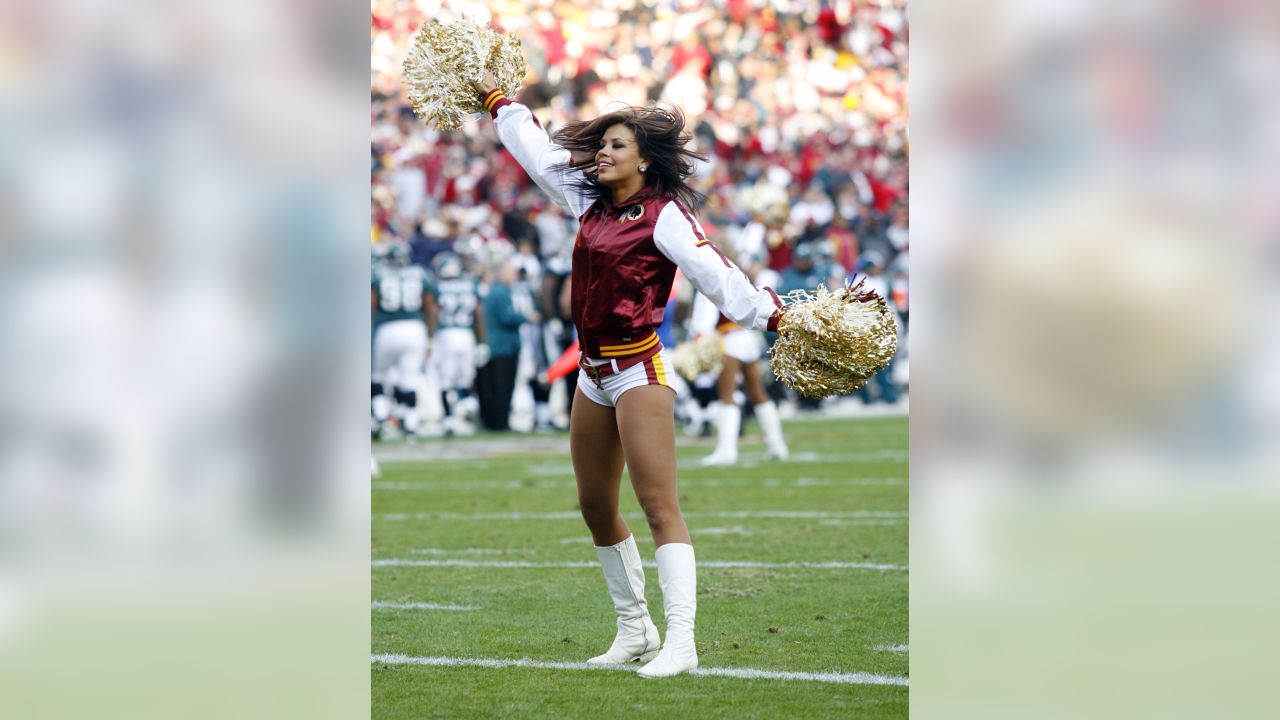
(742, 352)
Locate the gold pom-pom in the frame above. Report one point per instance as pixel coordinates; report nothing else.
(831, 343)
(705, 354)
(768, 201)
(446, 58)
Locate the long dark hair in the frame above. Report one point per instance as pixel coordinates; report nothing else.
(660, 137)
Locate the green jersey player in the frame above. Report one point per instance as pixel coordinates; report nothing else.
(457, 325)
(401, 295)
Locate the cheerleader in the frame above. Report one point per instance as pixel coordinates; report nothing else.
(742, 352)
(624, 175)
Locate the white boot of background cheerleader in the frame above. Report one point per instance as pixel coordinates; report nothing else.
(728, 423)
(771, 425)
(677, 574)
(637, 637)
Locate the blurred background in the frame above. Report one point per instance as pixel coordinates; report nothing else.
(184, 348)
(800, 107)
(1094, 456)
(182, 371)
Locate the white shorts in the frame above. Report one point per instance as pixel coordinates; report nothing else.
(653, 371)
(455, 358)
(746, 346)
(399, 353)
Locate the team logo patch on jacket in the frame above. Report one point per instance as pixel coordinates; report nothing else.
(635, 213)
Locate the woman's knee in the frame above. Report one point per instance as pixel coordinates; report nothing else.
(725, 388)
(660, 515)
(598, 513)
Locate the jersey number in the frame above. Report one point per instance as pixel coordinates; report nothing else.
(397, 293)
(456, 309)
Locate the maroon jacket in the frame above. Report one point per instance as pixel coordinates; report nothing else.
(620, 280)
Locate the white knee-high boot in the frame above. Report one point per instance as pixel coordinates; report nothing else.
(677, 573)
(637, 637)
(728, 423)
(771, 424)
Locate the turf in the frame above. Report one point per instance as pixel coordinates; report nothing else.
(779, 619)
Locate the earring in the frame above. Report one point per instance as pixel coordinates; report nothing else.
(643, 168)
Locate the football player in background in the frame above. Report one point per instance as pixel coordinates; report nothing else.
(399, 295)
(456, 321)
(535, 359)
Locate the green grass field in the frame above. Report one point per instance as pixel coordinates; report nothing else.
(842, 499)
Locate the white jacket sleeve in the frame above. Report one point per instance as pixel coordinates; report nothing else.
(535, 152)
(679, 236)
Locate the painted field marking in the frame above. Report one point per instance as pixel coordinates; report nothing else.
(575, 515)
(858, 456)
(854, 678)
(551, 451)
(588, 540)
(735, 530)
(476, 485)
(832, 565)
(380, 605)
(875, 522)
(814, 457)
(893, 648)
(694, 482)
(470, 551)
(550, 469)
(822, 482)
(427, 485)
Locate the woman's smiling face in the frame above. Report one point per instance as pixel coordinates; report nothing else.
(618, 159)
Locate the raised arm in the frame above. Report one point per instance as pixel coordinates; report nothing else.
(679, 236)
(524, 137)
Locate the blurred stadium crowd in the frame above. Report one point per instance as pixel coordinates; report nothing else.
(799, 105)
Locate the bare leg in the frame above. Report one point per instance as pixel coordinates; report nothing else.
(752, 383)
(646, 425)
(728, 380)
(597, 466)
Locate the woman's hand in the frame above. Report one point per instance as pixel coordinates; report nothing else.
(780, 325)
(485, 84)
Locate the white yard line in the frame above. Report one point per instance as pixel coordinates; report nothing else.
(893, 648)
(820, 482)
(587, 540)
(575, 515)
(428, 486)
(832, 565)
(735, 530)
(550, 469)
(806, 514)
(816, 457)
(379, 605)
(477, 485)
(864, 521)
(401, 562)
(469, 551)
(854, 678)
